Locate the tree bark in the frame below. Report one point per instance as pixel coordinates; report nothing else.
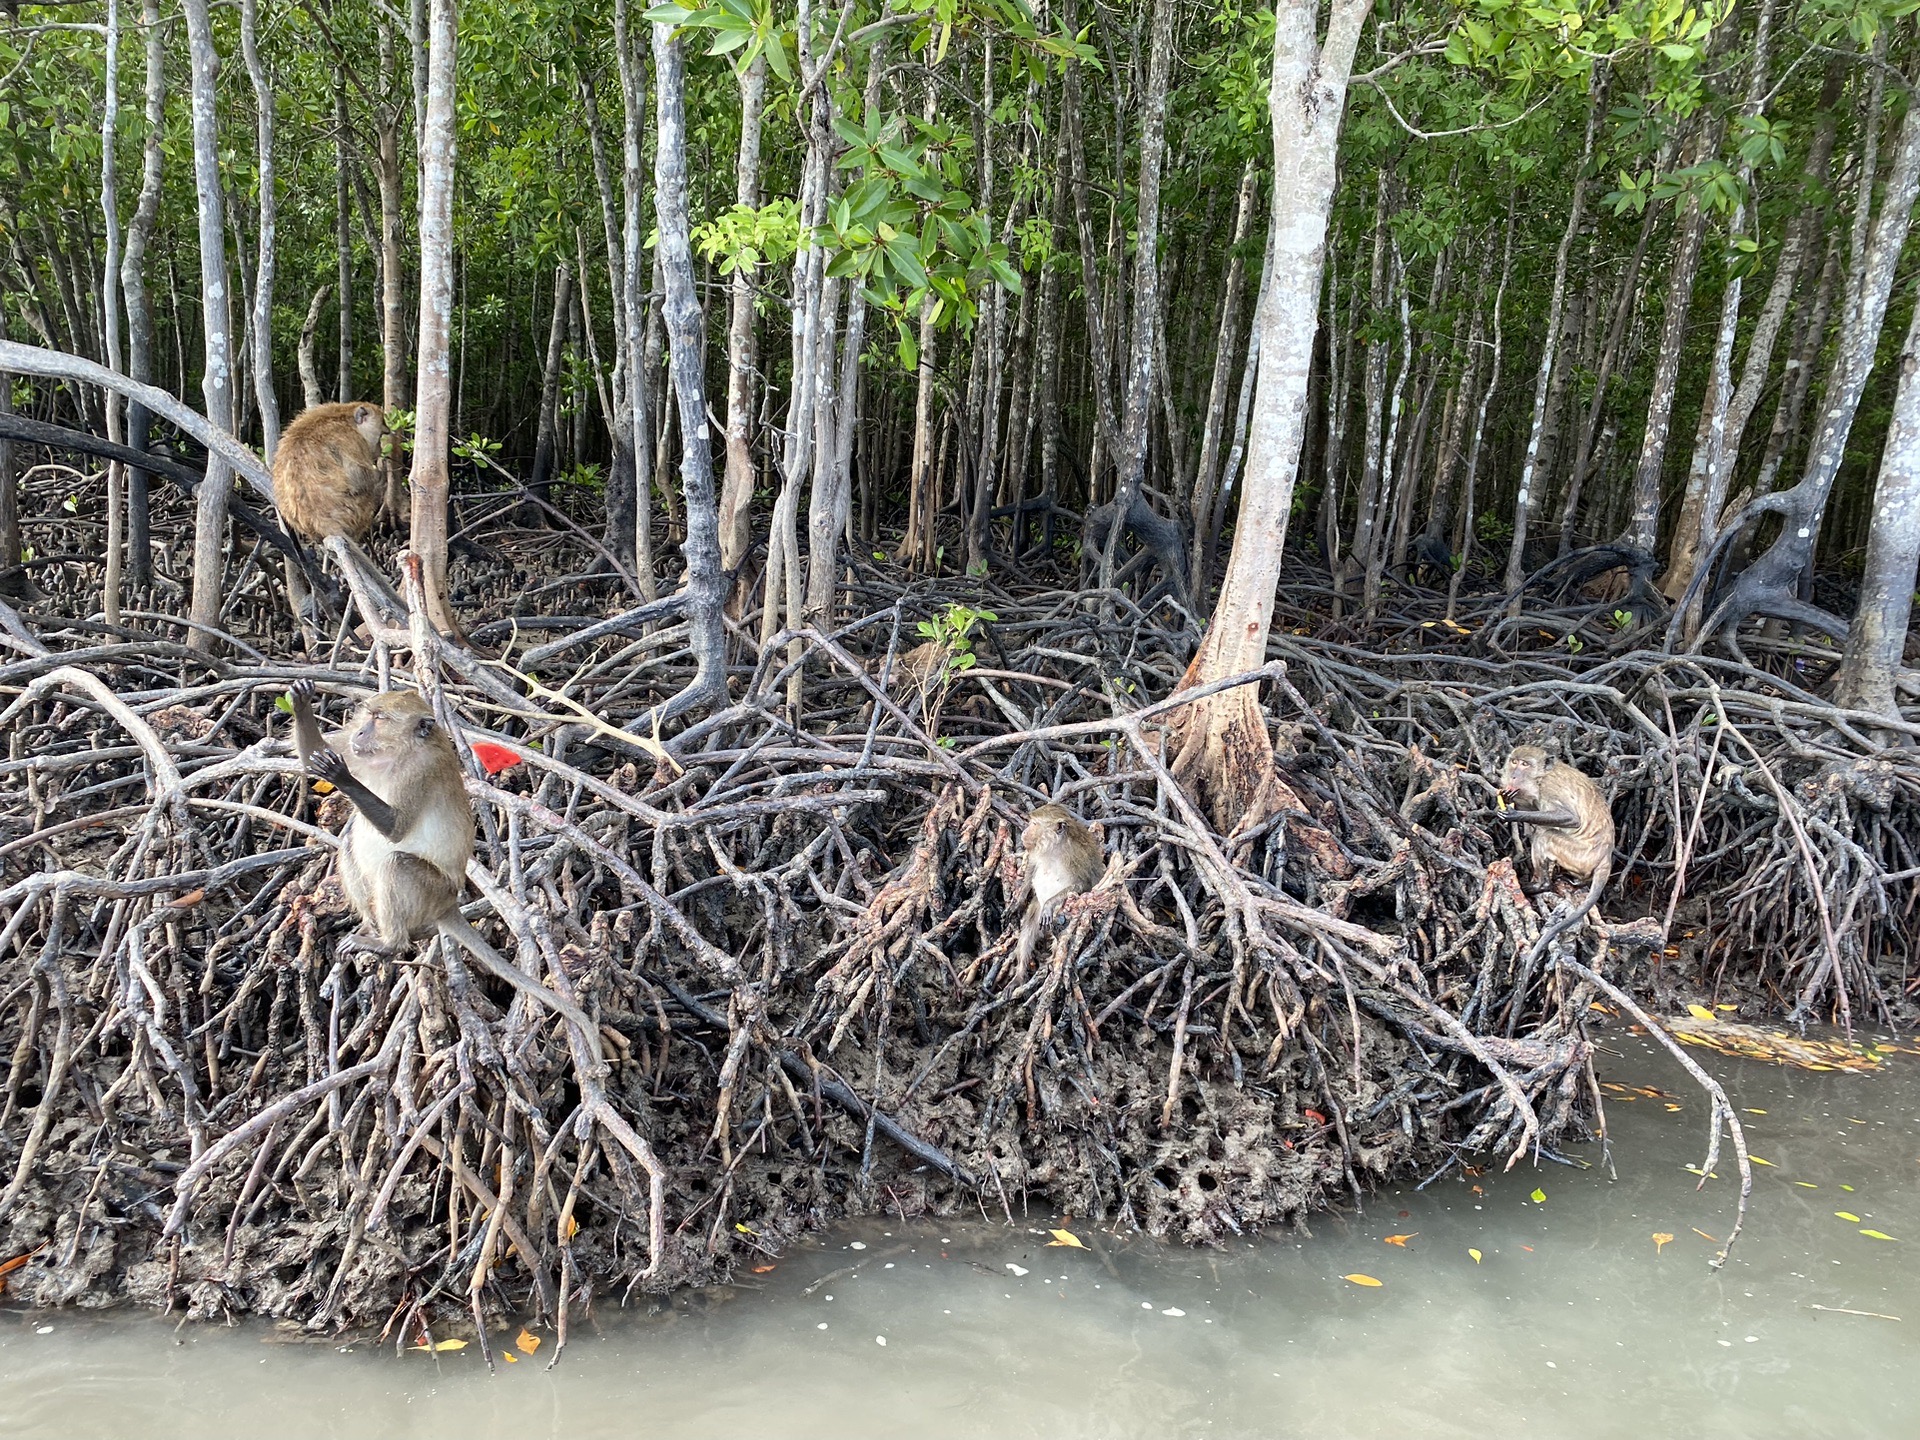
(736, 493)
(544, 431)
(430, 480)
(1876, 643)
(1206, 472)
(133, 282)
(705, 590)
(1530, 470)
(393, 318)
(631, 300)
(110, 308)
(1643, 526)
(343, 230)
(263, 281)
(210, 515)
(1225, 750)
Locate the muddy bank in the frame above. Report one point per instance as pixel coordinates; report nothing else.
(797, 934)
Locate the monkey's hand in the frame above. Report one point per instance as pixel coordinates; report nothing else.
(302, 693)
(326, 764)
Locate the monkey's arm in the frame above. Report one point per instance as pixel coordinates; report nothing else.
(307, 740)
(326, 764)
(1557, 819)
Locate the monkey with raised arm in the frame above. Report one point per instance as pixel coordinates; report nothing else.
(403, 857)
(1063, 857)
(1572, 826)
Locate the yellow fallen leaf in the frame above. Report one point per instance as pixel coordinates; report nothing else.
(1475, 1254)
(1539, 1197)
(1848, 1216)
(1661, 1240)
(1752, 1111)
(445, 1345)
(1066, 1238)
(1700, 1012)
(1847, 1188)
(509, 1357)
(1363, 1280)
(526, 1341)
(1726, 1007)
(1806, 1185)
(1400, 1240)
(1876, 1235)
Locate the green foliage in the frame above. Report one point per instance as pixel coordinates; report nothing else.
(743, 238)
(953, 629)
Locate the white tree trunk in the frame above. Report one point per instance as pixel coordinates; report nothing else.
(1226, 747)
(210, 517)
(434, 384)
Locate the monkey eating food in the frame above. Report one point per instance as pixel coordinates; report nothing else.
(403, 857)
(1063, 857)
(1572, 826)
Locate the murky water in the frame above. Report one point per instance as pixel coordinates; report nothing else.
(1574, 1319)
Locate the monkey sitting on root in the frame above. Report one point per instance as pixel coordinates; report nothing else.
(327, 480)
(1572, 828)
(403, 856)
(1063, 857)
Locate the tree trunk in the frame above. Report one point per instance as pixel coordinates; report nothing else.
(110, 308)
(312, 392)
(1225, 750)
(736, 494)
(1373, 398)
(1206, 472)
(393, 318)
(1465, 554)
(538, 480)
(1643, 526)
(430, 478)
(133, 281)
(210, 516)
(1876, 643)
(704, 582)
(639, 387)
(12, 583)
(263, 282)
(343, 231)
(1530, 470)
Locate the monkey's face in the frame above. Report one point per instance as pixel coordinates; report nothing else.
(390, 724)
(1521, 775)
(1043, 828)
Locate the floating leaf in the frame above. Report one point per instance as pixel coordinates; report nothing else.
(526, 1342)
(1661, 1239)
(509, 1357)
(1475, 1254)
(761, 1269)
(1700, 1012)
(1848, 1216)
(1876, 1235)
(1752, 1111)
(1400, 1240)
(494, 758)
(444, 1345)
(1847, 1188)
(1758, 1161)
(1367, 1280)
(1806, 1185)
(1065, 1238)
(1539, 1197)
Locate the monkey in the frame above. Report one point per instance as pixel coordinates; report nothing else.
(327, 479)
(403, 857)
(326, 471)
(1572, 827)
(1063, 857)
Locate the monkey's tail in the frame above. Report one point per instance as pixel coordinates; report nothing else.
(1566, 920)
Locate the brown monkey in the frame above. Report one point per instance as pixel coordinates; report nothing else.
(1572, 826)
(1063, 857)
(326, 471)
(403, 858)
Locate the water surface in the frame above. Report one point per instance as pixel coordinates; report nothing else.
(1574, 1321)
